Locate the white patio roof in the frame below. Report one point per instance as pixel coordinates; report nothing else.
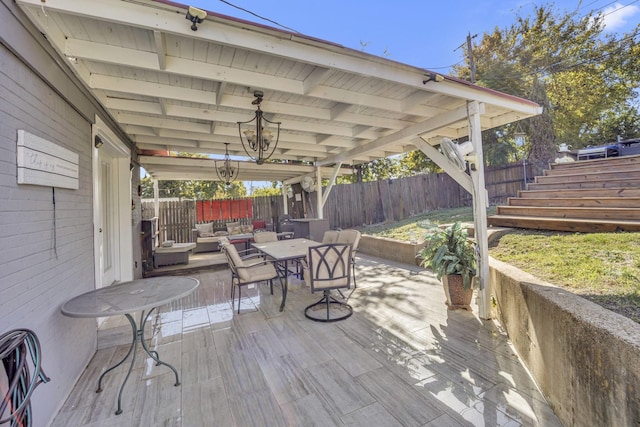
(171, 88)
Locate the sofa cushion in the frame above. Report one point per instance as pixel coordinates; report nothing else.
(204, 228)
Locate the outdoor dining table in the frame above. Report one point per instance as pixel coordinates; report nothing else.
(144, 295)
(284, 251)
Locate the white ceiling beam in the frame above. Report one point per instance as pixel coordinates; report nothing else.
(156, 90)
(408, 132)
(138, 87)
(338, 110)
(100, 52)
(173, 110)
(315, 78)
(220, 94)
(161, 48)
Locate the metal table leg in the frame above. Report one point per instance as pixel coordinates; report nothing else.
(286, 285)
(137, 335)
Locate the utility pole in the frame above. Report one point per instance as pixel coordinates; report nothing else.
(472, 64)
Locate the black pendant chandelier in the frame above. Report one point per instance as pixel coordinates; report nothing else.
(259, 140)
(225, 170)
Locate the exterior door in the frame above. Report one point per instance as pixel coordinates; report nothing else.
(112, 214)
(107, 238)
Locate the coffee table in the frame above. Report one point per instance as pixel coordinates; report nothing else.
(178, 253)
(143, 295)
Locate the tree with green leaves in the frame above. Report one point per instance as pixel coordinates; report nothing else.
(585, 80)
(190, 189)
(414, 163)
(274, 190)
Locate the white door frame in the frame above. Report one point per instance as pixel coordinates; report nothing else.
(121, 194)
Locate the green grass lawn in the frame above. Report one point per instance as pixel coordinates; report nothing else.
(601, 267)
(400, 230)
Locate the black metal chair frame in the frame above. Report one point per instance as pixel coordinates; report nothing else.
(254, 259)
(336, 270)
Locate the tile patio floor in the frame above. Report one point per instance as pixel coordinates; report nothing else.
(402, 359)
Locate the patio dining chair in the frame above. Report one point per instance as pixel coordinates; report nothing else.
(352, 237)
(265, 236)
(330, 236)
(328, 267)
(247, 271)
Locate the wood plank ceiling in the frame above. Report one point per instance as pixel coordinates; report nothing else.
(174, 89)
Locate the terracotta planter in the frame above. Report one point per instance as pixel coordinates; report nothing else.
(457, 296)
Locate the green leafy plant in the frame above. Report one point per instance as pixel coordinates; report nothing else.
(449, 251)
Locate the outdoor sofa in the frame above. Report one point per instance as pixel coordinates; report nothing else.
(207, 237)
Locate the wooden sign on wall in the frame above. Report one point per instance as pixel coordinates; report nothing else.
(41, 162)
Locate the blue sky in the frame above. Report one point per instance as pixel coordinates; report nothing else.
(423, 33)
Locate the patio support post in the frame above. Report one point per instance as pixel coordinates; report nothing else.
(156, 198)
(480, 203)
(319, 198)
(284, 198)
(475, 185)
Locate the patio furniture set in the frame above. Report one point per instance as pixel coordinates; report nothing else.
(206, 238)
(326, 267)
(323, 265)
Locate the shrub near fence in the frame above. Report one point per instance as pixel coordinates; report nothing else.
(352, 205)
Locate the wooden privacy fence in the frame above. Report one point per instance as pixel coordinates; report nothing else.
(355, 205)
(223, 209)
(349, 205)
(175, 219)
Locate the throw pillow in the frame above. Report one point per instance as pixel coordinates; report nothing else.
(259, 224)
(234, 230)
(247, 228)
(231, 225)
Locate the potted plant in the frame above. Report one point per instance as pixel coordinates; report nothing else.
(450, 254)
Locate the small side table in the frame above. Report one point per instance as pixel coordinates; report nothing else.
(178, 253)
(143, 295)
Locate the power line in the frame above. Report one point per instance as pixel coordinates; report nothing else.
(259, 16)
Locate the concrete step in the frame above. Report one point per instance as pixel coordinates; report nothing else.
(604, 202)
(563, 224)
(571, 212)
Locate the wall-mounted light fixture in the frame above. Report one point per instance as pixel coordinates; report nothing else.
(259, 140)
(97, 142)
(226, 172)
(196, 16)
(432, 77)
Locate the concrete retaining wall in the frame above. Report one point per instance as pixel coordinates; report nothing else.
(393, 250)
(584, 358)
